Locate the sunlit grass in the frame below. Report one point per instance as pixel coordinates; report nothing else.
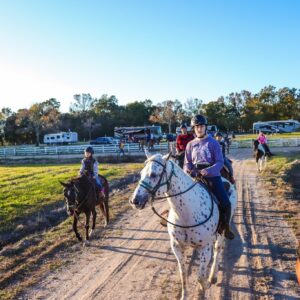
(270, 137)
(280, 162)
(26, 189)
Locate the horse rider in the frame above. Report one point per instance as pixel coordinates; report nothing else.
(203, 157)
(227, 162)
(181, 142)
(89, 166)
(262, 139)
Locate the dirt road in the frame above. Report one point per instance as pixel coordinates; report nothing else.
(132, 258)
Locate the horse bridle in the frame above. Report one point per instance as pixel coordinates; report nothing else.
(77, 205)
(153, 191)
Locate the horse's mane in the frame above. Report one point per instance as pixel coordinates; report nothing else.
(177, 167)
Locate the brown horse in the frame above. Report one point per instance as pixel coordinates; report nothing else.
(81, 196)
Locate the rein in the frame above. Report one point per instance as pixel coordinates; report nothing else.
(153, 191)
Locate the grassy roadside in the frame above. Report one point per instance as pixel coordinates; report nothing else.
(283, 180)
(25, 262)
(241, 137)
(26, 190)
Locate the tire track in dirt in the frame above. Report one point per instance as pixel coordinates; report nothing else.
(133, 260)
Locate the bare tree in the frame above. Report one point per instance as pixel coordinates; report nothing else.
(192, 106)
(167, 112)
(83, 103)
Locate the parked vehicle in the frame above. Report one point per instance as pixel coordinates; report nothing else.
(61, 138)
(281, 126)
(269, 129)
(137, 133)
(212, 129)
(104, 140)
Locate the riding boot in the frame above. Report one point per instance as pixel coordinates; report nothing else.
(227, 214)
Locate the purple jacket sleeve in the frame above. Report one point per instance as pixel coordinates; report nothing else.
(217, 155)
(188, 166)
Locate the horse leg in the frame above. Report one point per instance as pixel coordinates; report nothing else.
(265, 162)
(257, 162)
(75, 220)
(179, 254)
(94, 213)
(215, 264)
(104, 212)
(204, 256)
(87, 224)
(106, 209)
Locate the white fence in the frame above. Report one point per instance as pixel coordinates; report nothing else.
(72, 149)
(129, 148)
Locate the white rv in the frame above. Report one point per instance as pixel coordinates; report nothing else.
(61, 138)
(281, 126)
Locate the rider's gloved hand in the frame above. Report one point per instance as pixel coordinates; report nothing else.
(203, 172)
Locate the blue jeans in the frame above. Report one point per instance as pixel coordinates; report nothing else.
(217, 187)
(98, 182)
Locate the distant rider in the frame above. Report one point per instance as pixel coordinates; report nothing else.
(227, 162)
(89, 166)
(262, 139)
(181, 142)
(203, 157)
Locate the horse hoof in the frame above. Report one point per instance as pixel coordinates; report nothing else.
(86, 243)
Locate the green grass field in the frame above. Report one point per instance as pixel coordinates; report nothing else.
(26, 189)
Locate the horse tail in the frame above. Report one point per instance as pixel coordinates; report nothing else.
(106, 192)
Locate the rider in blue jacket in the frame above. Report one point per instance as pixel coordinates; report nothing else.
(203, 156)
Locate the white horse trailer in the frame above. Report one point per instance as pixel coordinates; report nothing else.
(282, 126)
(61, 138)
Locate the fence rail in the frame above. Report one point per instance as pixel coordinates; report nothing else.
(129, 148)
(72, 149)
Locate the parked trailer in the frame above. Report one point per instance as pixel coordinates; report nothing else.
(61, 138)
(281, 126)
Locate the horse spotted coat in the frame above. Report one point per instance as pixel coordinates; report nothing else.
(188, 207)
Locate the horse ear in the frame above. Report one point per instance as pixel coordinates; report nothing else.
(167, 156)
(63, 184)
(147, 153)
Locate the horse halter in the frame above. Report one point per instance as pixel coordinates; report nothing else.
(153, 190)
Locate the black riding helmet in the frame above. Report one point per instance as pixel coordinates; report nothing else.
(198, 120)
(218, 134)
(89, 149)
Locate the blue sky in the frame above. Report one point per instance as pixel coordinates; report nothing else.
(139, 50)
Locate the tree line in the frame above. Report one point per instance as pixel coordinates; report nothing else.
(91, 117)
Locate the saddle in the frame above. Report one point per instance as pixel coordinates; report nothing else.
(201, 180)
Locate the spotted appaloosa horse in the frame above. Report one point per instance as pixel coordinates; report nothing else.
(260, 155)
(193, 216)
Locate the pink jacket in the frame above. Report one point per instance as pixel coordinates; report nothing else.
(262, 139)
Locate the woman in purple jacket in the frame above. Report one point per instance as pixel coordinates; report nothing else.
(203, 157)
